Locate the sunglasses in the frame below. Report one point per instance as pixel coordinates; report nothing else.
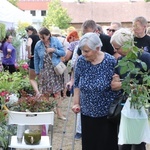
(111, 30)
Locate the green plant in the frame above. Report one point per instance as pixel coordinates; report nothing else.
(12, 84)
(137, 81)
(4, 133)
(33, 104)
(2, 31)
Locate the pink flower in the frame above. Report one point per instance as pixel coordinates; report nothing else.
(25, 66)
(3, 93)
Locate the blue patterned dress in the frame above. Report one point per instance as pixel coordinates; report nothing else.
(94, 84)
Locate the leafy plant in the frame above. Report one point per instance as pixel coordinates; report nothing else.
(33, 104)
(10, 82)
(137, 81)
(4, 133)
(2, 31)
(13, 83)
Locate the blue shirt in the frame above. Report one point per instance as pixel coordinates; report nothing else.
(94, 84)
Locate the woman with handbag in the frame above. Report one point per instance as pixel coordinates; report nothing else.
(118, 41)
(47, 55)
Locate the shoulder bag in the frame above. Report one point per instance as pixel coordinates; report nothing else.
(116, 106)
(60, 68)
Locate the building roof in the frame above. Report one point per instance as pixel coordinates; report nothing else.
(98, 11)
(33, 5)
(107, 11)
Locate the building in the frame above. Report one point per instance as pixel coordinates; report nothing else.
(37, 8)
(102, 12)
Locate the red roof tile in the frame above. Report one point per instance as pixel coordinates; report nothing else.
(33, 5)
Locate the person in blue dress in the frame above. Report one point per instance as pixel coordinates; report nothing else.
(93, 94)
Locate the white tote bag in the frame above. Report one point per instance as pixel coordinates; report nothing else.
(134, 126)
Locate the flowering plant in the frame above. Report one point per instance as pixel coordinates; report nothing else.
(32, 104)
(22, 67)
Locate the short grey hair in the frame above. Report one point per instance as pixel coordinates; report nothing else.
(90, 39)
(119, 25)
(121, 36)
(89, 24)
(141, 19)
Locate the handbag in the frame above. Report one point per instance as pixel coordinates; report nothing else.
(116, 106)
(60, 68)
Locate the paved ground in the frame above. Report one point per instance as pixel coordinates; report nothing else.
(68, 135)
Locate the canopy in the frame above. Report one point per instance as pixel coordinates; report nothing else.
(11, 15)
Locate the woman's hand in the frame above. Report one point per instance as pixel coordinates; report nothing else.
(116, 83)
(76, 108)
(50, 50)
(69, 85)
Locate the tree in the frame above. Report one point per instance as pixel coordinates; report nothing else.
(57, 16)
(14, 2)
(147, 0)
(2, 31)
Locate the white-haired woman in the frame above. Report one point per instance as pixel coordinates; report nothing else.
(93, 94)
(118, 39)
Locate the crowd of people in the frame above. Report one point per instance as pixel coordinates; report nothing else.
(96, 82)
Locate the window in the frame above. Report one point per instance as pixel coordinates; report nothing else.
(33, 12)
(43, 12)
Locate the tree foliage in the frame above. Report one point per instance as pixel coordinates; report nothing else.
(2, 31)
(147, 0)
(56, 16)
(14, 2)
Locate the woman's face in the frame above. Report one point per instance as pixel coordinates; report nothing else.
(10, 38)
(88, 53)
(29, 32)
(119, 49)
(44, 37)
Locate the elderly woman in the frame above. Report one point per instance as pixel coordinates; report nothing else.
(47, 54)
(119, 38)
(93, 94)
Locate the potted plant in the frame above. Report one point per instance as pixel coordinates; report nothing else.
(31, 105)
(13, 84)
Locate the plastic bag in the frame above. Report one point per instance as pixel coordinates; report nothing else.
(134, 126)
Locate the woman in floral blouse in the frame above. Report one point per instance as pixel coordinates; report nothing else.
(93, 94)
